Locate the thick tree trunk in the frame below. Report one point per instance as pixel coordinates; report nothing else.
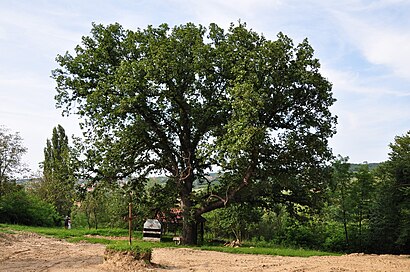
(189, 233)
(189, 229)
(191, 218)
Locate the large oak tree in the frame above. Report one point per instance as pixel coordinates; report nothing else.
(186, 99)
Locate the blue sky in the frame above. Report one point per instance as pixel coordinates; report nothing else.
(363, 46)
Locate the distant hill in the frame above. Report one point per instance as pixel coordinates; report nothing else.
(197, 184)
(354, 167)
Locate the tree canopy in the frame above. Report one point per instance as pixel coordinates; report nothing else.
(57, 186)
(186, 100)
(390, 224)
(11, 152)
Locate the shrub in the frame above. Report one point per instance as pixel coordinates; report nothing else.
(21, 208)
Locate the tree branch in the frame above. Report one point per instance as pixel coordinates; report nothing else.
(230, 195)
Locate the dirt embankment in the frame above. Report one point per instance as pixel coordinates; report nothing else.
(31, 252)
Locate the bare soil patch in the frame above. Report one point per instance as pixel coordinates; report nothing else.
(31, 252)
(194, 260)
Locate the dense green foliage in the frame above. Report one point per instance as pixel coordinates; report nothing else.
(102, 206)
(237, 219)
(181, 100)
(106, 204)
(19, 207)
(57, 184)
(16, 205)
(364, 211)
(390, 222)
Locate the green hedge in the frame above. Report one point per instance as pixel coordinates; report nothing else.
(21, 208)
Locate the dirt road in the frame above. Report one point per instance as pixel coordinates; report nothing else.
(31, 252)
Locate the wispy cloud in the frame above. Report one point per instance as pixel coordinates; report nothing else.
(379, 30)
(40, 28)
(352, 82)
(370, 75)
(369, 115)
(382, 45)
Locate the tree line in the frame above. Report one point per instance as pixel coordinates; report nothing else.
(183, 101)
(361, 210)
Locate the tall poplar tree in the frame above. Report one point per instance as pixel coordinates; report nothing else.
(342, 186)
(58, 182)
(362, 195)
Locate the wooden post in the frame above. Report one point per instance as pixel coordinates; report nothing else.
(130, 223)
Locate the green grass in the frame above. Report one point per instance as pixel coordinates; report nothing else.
(62, 233)
(138, 245)
(86, 235)
(91, 240)
(277, 251)
(126, 247)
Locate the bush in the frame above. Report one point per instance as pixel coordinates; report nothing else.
(79, 218)
(303, 235)
(335, 240)
(21, 208)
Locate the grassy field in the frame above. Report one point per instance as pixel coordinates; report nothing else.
(117, 239)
